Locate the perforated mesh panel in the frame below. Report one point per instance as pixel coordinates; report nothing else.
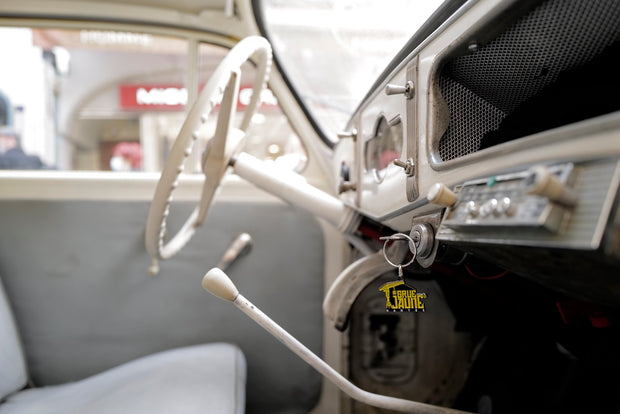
(483, 87)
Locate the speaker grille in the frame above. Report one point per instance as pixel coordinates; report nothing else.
(483, 87)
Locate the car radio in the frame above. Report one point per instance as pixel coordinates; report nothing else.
(562, 205)
(539, 197)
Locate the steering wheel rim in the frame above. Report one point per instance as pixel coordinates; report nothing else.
(220, 149)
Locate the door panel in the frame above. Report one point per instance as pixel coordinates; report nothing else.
(76, 274)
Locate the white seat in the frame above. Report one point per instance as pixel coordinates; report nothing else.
(198, 379)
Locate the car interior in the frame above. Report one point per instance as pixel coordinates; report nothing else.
(339, 206)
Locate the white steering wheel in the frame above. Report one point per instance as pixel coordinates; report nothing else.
(219, 151)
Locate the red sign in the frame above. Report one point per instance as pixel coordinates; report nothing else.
(169, 97)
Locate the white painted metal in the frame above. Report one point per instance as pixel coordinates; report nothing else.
(241, 244)
(220, 285)
(130, 186)
(293, 188)
(586, 140)
(351, 281)
(161, 13)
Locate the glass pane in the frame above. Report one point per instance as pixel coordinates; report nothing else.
(81, 99)
(106, 100)
(334, 50)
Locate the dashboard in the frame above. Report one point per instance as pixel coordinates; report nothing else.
(499, 134)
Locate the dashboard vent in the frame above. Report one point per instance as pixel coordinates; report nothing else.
(555, 65)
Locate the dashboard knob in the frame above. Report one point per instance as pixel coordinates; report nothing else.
(540, 181)
(472, 208)
(408, 166)
(348, 134)
(408, 89)
(489, 207)
(506, 206)
(440, 194)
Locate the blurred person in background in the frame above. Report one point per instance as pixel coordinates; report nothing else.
(12, 156)
(126, 156)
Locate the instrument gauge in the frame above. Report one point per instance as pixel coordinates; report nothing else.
(384, 146)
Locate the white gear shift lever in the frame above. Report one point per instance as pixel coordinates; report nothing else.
(219, 284)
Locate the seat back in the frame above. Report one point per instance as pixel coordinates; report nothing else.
(13, 376)
(76, 274)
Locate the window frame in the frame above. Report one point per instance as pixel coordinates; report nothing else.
(258, 14)
(193, 38)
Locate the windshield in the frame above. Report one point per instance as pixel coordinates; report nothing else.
(332, 51)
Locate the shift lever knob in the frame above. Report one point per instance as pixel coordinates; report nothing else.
(219, 284)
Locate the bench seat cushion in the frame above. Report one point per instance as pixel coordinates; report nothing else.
(198, 379)
(13, 374)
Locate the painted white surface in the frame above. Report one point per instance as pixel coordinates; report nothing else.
(220, 285)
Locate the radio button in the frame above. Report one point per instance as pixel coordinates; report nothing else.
(489, 207)
(472, 208)
(505, 206)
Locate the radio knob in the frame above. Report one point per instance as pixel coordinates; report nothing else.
(440, 194)
(489, 207)
(505, 206)
(542, 182)
(472, 208)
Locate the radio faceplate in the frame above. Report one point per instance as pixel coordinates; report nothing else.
(535, 220)
(506, 201)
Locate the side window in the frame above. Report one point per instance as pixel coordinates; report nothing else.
(110, 100)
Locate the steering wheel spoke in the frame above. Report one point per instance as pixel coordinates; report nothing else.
(228, 110)
(220, 149)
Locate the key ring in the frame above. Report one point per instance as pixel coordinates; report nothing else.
(399, 236)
